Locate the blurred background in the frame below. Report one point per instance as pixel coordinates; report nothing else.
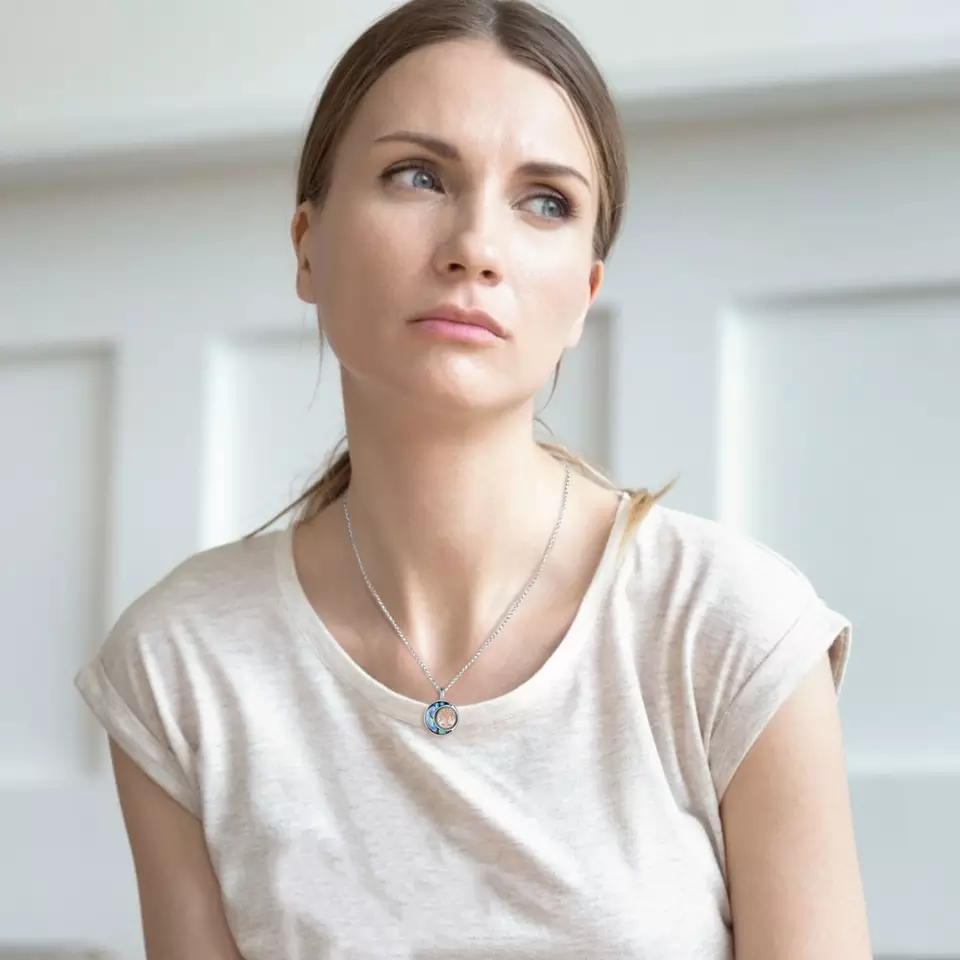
(780, 326)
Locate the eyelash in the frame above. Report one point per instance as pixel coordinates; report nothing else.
(568, 209)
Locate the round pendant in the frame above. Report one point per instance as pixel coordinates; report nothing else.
(441, 717)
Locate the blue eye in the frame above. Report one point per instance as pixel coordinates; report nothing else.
(554, 207)
(421, 179)
(417, 175)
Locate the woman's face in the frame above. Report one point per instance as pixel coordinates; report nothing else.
(463, 180)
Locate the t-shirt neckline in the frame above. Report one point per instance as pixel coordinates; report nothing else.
(549, 680)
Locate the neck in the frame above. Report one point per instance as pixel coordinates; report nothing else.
(450, 524)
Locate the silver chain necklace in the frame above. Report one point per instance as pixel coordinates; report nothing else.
(441, 717)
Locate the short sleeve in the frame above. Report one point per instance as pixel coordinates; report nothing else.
(132, 687)
(767, 630)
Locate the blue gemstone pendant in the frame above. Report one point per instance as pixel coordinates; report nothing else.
(441, 718)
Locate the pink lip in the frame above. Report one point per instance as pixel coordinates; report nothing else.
(454, 330)
(456, 323)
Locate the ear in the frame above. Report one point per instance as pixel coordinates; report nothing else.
(299, 234)
(595, 282)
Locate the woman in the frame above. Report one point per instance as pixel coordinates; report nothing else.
(474, 702)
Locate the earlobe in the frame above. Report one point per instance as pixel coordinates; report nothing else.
(304, 291)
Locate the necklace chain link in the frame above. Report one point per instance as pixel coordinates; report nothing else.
(508, 616)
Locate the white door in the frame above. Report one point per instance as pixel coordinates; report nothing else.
(780, 325)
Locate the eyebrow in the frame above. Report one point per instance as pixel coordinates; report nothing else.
(533, 168)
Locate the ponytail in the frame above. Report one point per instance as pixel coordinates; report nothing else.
(642, 500)
(320, 494)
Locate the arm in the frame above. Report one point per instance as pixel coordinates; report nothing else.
(794, 877)
(180, 902)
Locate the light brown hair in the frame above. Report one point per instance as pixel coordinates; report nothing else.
(531, 37)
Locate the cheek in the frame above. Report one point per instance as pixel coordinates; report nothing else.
(361, 270)
(554, 297)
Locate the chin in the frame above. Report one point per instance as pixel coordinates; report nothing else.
(452, 396)
(445, 382)
(461, 396)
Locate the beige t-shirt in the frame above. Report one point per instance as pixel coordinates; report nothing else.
(575, 817)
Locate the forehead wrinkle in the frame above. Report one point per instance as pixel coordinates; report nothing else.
(510, 122)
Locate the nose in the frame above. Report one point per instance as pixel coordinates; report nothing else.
(471, 250)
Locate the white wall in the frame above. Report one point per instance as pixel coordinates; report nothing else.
(107, 72)
(779, 325)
